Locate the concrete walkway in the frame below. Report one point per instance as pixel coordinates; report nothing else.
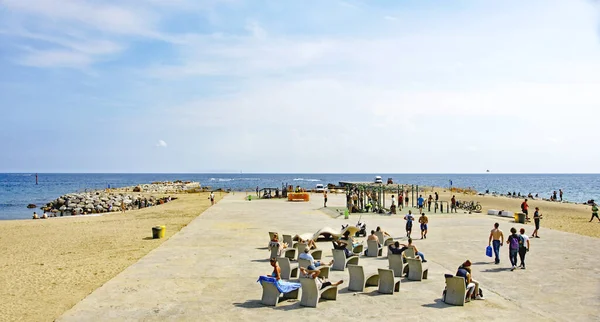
(208, 271)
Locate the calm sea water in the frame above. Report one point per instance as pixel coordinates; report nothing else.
(18, 190)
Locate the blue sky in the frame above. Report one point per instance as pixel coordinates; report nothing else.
(299, 86)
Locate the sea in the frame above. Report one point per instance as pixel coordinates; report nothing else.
(17, 190)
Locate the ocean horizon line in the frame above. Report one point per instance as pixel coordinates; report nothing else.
(335, 173)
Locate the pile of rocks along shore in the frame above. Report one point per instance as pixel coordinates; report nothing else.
(100, 202)
(164, 187)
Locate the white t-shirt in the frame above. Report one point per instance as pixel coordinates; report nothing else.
(525, 239)
(409, 217)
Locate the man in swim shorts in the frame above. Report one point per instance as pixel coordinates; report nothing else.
(423, 220)
(409, 221)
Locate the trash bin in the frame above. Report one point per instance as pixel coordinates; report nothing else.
(520, 218)
(158, 232)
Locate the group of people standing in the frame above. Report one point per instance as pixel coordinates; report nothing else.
(518, 244)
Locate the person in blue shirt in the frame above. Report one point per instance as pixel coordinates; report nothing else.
(420, 203)
(313, 264)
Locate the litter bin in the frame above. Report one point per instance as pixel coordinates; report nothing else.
(520, 218)
(158, 232)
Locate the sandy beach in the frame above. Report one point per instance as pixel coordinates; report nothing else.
(50, 265)
(568, 217)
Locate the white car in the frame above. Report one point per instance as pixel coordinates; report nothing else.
(319, 188)
(378, 179)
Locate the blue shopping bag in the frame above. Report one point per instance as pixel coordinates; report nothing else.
(488, 251)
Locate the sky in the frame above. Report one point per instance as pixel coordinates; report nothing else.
(340, 86)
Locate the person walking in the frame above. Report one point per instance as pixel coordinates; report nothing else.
(594, 211)
(453, 204)
(560, 193)
(525, 208)
(536, 219)
(496, 238)
(420, 202)
(325, 199)
(212, 198)
(513, 242)
(429, 201)
(409, 221)
(523, 247)
(423, 220)
(257, 191)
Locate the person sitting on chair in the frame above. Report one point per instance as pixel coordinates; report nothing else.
(276, 269)
(396, 249)
(321, 282)
(313, 263)
(385, 233)
(472, 285)
(275, 243)
(374, 237)
(417, 252)
(347, 238)
(308, 242)
(342, 245)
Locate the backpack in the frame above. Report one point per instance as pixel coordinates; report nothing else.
(522, 242)
(514, 242)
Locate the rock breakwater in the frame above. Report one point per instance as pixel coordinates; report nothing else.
(101, 202)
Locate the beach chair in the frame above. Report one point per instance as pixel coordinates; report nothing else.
(311, 294)
(384, 240)
(285, 252)
(358, 279)
(316, 253)
(417, 270)
(388, 283)
(340, 261)
(409, 253)
(373, 249)
(397, 264)
(455, 291)
(287, 270)
(323, 270)
(271, 234)
(271, 294)
(355, 249)
(288, 240)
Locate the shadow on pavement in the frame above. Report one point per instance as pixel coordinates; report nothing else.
(437, 304)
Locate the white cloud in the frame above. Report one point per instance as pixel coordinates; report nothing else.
(161, 144)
